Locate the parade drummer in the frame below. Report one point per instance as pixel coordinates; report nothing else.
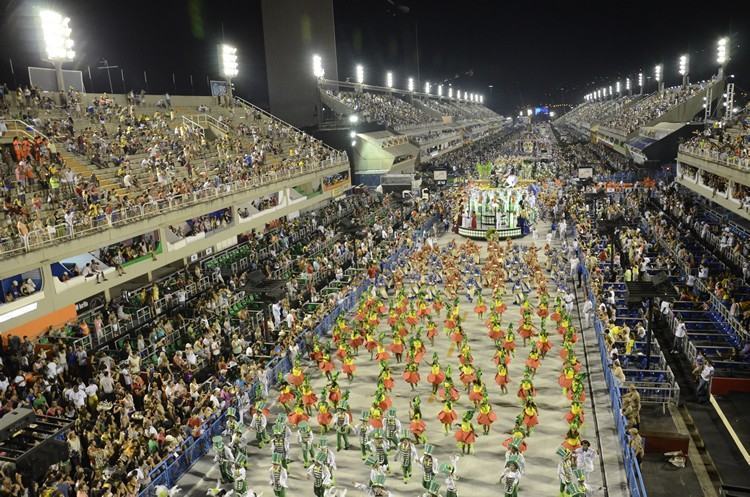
(306, 440)
(341, 422)
(320, 475)
(429, 466)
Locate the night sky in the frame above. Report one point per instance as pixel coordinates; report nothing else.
(531, 52)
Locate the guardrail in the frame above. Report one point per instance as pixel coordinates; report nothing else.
(194, 126)
(721, 158)
(169, 472)
(87, 226)
(632, 467)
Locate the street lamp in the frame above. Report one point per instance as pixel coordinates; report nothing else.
(684, 69)
(360, 73)
(229, 67)
(389, 79)
(722, 54)
(410, 84)
(58, 43)
(318, 70)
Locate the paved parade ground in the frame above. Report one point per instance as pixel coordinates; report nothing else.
(479, 472)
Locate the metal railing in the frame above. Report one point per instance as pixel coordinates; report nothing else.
(194, 126)
(721, 158)
(86, 226)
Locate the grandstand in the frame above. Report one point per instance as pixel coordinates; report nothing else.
(199, 297)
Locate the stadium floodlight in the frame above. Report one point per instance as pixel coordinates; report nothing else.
(427, 87)
(58, 43)
(658, 73)
(617, 87)
(440, 90)
(627, 84)
(450, 92)
(520, 113)
(610, 90)
(410, 84)
(353, 118)
(352, 134)
(360, 73)
(317, 63)
(229, 66)
(466, 95)
(529, 112)
(722, 51)
(683, 67)
(389, 79)
(481, 99)
(552, 114)
(458, 94)
(471, 97)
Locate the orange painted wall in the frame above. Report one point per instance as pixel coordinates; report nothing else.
(40, 325)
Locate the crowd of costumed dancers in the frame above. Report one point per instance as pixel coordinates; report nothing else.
(395, 322)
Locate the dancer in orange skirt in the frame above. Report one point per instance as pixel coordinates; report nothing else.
(286, 395)
(543, 344)
(437, 304)
(532, 361)
(480, 308)
(447, 415)
(530, 418)
(298, 414)
(465, 434)
(526, 389)
(448, 391)
(495, 331)
(376, 416)
(325, 365)
(397, 347)
(308, 396)
(486, 415)
(457, 336)
(370, 343)
(436, 376)
(411, 374)
(417, 425)
(468, 375)
(477, 391)
(465, 357)
(501, 355)
(526, 329)
(509, 342)
(296, 377)
(416, 347)
(501, 377)
(431, 331)
(517, 436)
(349, 367)
(382, 354)
(565, 380)
(324, 416)
(385, 377)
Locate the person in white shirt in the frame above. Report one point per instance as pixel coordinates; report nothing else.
(680, 332)
(585, 457)
(588, 309)
(702, 392)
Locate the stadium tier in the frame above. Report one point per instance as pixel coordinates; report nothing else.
(399, 292)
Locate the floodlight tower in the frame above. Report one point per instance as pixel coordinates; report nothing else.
(684, 69)
(410, 84)
(627, 86)
(640, 83)
(229, 67)
(722, 55)
(360, 74)
(440, 91)
(427, 87)
(58, 44)
(617, 88)
(658, 76)
(389, 79)
(317, 67)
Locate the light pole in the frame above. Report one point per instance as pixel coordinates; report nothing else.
(105, 66)
(684, 69)
(640, 83)
(58, 44)
(229, 66)
(658, 72)
(389, 79)
(722, 55)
